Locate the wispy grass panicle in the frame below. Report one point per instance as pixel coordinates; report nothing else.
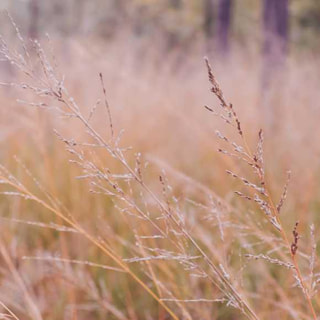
(263, 199)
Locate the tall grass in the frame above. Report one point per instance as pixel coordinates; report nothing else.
(95, 229)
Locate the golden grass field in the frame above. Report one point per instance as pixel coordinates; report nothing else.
(139, 219)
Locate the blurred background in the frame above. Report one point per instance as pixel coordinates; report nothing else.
(265, 55)
(168, 33)
(176, 24)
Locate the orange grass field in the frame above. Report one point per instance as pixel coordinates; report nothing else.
(117, 204)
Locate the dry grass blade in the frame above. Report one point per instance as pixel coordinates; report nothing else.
(11, 314)
(32, 307)
(102, 246)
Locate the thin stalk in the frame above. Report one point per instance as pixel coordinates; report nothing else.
(104, 248)
(285, 238)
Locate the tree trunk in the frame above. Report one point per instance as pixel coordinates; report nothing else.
(223, 25)
(275, 48)
(209, 18)
(275, 22)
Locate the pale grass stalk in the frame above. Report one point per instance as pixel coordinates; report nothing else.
(9, 311)
(73, 261)
(79, 281)
(32, 307)
(102, 246)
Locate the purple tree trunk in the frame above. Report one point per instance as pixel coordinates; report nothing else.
(208, 25)
(275, 23)
(223, 25)
(275, 48)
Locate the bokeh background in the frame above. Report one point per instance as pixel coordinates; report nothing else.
(265, 55)
(176, 23)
